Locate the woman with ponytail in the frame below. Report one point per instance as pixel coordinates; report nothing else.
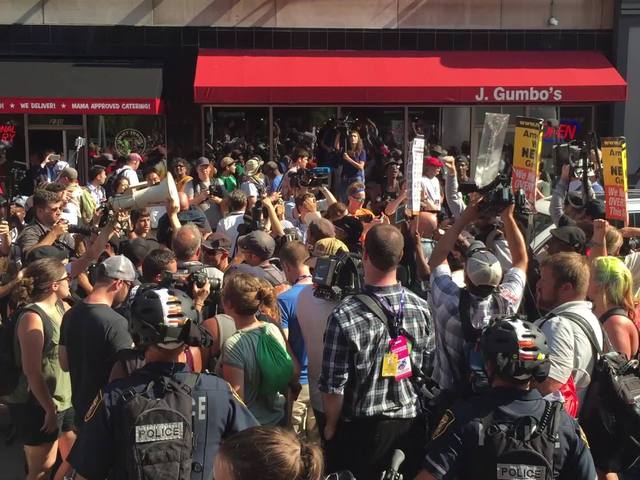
(611, 291)
(267, 453)
(243, 298)
(40, 406)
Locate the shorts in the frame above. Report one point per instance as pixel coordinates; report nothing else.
(28, 419)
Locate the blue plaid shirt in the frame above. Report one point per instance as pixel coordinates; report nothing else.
(445, 299)
(354, 347)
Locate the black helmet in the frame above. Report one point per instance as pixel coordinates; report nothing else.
(518, 347)
(162, 316)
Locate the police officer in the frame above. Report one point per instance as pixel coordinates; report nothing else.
(510, 432)
(141, 426)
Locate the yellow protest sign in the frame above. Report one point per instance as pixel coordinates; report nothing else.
(526, 156)
(614, 162)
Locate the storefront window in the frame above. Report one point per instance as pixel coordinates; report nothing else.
(378, 127)
(124, 134)
(12, 152)
(237, 128)
(300, 127)
(456, 129)
(425, 121)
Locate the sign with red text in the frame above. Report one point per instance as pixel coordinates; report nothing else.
(614, 164)
(87, 106)
(526, 156)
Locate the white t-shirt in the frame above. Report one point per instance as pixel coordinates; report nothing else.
(313, 313)
(130, 174)
(569, 348)
(431, 191)
(228, 226)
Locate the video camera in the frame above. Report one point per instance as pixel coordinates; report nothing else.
(576, 155)
(216, 191)
(310, 178)
(338, 276)
(254, 220)
(498, 195)
(185, 281)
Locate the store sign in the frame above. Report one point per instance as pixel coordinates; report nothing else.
(526, 156)
(519, 95)
(565, 132)
(89, 106)
(614, 160)
(8, 134)
(130, 140)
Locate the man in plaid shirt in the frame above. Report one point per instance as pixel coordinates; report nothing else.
(371, 411)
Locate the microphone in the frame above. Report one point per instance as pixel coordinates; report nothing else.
(392, 473)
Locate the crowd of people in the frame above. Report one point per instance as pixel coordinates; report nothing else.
(272, 321)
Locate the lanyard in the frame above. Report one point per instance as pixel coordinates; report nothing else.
(398, 315)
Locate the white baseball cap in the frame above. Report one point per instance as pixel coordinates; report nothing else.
(482, 268)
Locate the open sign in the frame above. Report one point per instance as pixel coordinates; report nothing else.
(565, 132)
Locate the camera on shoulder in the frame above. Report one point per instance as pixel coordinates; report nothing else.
(337, 276)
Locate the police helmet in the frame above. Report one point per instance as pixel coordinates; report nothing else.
(518, 348)
(163, 316)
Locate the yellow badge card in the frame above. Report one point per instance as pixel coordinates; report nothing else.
(389, 365)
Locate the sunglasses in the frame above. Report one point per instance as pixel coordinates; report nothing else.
(358, 199)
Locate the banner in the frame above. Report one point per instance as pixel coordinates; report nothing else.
(414, 173)
(77, 106)
(526, 156)
(614, 162)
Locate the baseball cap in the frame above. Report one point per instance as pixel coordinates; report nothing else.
(226, 161)
(138, 248)
(433, 161)
(252, 166)
(220, 243)
(482, 268)
(437, 151)
(70, 173)
(118, 267)
(202, 161)
(573, 236)
(46, 251)
(595, 209)
(259, 243)
(325, 248)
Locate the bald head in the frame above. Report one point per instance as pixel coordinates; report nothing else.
(183, 199)
(383, 246)
(186, 243)
(426, 225)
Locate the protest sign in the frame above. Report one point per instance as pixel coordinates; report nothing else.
(526, 156)
(614, 161)
(414, 173)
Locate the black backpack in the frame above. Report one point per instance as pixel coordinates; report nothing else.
(522, 448)
(10, 369)
(157, 438)
(610, 412)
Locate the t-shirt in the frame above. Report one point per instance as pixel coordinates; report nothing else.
(240, 351)
(93, 334)
(632, 261)
(228, 226)
(312, 314)
(431, 191)
(289, 320)
(129, 173)
(230, 183)
(250, 188)
(569, 348)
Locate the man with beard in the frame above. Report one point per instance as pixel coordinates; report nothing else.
(562, 291)
(92, 333)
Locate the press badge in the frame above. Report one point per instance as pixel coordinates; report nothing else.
(397, 362)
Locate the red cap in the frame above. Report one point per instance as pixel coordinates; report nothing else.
(433, 161)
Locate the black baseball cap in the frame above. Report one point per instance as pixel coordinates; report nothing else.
(572, 236)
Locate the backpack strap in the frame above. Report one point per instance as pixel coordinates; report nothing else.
(588, 331)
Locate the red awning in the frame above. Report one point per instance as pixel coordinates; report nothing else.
(321, 77)
(80, 88)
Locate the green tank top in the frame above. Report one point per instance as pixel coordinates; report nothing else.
(57, 380)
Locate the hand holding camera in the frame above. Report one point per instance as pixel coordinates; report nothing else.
(60, 228)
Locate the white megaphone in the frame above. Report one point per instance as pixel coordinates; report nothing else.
(141, 196)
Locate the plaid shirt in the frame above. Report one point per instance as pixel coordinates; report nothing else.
(445, 299)
(354, 346)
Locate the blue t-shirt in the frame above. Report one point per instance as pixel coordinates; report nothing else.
(349, 170)
(275, 185)
(289, 320)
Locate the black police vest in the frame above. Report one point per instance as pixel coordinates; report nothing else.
(517, 449)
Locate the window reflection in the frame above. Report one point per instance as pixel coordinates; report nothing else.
(241, 129)
(301, 127)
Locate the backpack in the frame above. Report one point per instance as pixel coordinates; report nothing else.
(275, 363)
(520, 449)
(610, 414)
(157, 439)
(10, 367)
(87, 206)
